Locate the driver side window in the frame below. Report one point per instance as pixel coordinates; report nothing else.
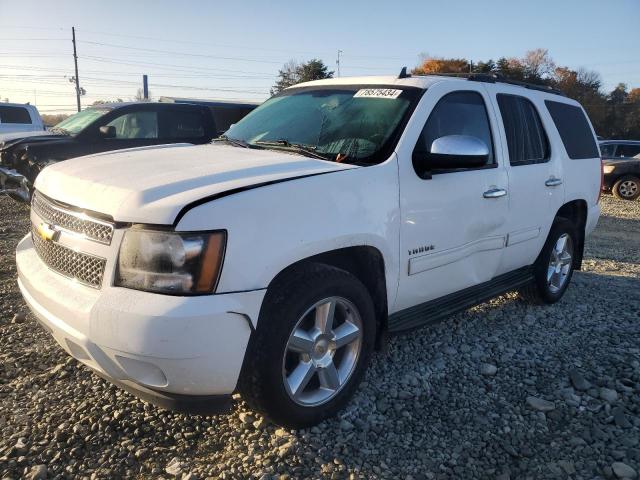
(136, 125)
(457, 113)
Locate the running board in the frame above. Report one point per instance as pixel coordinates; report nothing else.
(440, 308)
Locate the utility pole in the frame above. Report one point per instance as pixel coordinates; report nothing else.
(338, 62)
(75, 60)
(145, 87)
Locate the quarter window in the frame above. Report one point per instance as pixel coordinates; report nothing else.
(14, 115)
(526, 139)
(574, 130)
(457, 113)
(608, 150)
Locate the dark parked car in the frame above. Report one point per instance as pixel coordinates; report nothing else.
(621, 160)
(111, 127)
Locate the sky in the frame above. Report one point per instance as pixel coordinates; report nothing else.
(233, 50)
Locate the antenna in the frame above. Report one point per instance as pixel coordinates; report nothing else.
(338, 62)
(403, 73)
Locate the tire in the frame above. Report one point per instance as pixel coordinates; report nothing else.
(548, 287)
(277, 361)
(627, 187)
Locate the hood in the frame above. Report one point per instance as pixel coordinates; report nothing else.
(10, 139)
(152, 184)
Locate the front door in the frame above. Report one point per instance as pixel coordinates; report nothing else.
(452, 232)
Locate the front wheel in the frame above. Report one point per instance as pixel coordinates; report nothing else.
(553, 269)
(314, 339)
(627, 188)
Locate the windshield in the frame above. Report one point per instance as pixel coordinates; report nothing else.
(78, 122)
(351, 124)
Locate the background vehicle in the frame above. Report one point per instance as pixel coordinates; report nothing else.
(621, 160)
(18, 117)
(273, 260)
(225, 113)
(103, 128)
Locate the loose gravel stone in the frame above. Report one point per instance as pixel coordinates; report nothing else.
(488, 369)
(423, 411)
(622, 470)
(608, 395)
(578, 381)
(540, 404)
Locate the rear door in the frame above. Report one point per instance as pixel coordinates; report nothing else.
(534, 166)
(185, 124)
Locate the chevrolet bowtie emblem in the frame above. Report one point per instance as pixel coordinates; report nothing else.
(47, 232)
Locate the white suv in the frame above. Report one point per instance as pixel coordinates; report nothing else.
(273, 261)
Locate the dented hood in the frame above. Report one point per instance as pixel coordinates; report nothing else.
(152, 184)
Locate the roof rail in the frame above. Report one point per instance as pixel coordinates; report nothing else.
(496, 77)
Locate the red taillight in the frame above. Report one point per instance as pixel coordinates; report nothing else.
(601, 180)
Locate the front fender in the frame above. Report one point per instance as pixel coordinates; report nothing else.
(272, 227)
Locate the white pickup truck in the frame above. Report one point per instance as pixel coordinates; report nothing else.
(274, 260)
(19, 118)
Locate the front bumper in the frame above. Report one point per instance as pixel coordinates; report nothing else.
(181, 353)
(14, 184)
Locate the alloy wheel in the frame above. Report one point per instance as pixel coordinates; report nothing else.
(322, 351)
(560, 263)
(628, 188)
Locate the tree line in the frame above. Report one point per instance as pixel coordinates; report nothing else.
(614, 114)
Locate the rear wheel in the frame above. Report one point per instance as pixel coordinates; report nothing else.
(554, 267)
(627, 187)
(314, 339)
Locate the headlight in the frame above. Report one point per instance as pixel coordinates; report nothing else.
(608, 168)
(170, 262)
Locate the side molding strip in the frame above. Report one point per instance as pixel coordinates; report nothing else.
(440, 308)
(445, 257)
(522, 236)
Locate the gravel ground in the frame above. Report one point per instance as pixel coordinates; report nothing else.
(504, 390)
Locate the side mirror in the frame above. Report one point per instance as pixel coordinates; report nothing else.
(108, 131)
(454, 151)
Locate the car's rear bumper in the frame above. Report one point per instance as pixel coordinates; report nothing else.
(177, 352)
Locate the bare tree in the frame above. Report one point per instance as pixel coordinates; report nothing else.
(140, 96)
(538, 64)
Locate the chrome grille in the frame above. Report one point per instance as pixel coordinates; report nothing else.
(69, 220)
(84, 268)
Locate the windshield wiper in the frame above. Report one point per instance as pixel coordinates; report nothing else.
(234, 141)
(308, 150)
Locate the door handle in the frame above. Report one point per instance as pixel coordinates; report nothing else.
(495, 193)
(553, 182)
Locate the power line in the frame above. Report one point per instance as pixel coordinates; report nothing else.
(189, 54)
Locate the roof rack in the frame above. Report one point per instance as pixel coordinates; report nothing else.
(497, 78)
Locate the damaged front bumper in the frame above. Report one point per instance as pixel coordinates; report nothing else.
(14, 184)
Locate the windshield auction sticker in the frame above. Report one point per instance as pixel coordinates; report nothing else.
(378, 93)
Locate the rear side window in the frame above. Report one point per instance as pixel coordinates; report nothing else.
(184, 124)
(14, 115)
(526, 139)
(629, 150)
(574, 129)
